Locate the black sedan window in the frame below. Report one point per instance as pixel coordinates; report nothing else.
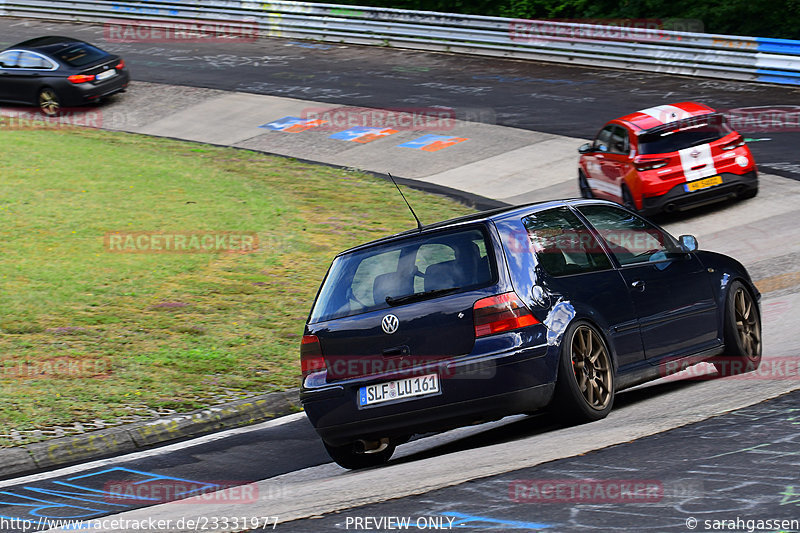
(9, 59)
(630, 238)
(30, 60)
(563, 244)
(80, 54)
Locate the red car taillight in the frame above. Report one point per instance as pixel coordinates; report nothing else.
(311, 355)
(504, 312)
(735, 143)
(649, 164)
(81, 78)
(120, 65)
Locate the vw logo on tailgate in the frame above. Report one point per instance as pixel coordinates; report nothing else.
(389, 324)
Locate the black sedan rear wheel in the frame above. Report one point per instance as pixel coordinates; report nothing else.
(49, 102)
(348, 456)
(585, 386)
(742, 333)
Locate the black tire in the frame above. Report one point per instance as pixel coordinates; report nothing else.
(742, 330)
(627, 199)
(583, 185)
(347, 456)
(49, 102)
(583, 393)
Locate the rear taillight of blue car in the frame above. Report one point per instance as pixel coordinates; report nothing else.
(500, 313)
(311, 360)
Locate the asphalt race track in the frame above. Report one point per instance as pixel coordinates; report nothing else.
(703, 449)
(564, 100)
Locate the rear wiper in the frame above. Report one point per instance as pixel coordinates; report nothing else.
(418, 296)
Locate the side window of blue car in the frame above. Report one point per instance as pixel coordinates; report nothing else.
(630, 238)
(563, 244)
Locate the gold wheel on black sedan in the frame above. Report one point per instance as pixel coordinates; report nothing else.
(49, 102)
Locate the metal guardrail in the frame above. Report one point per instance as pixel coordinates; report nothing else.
(653, 50)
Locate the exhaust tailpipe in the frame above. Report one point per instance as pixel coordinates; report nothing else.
(372, 446)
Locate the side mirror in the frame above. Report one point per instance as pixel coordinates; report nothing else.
(688, 242)
(585, 148)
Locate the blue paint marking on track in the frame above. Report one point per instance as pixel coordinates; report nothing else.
(486, 522)
(367, 133)
(91, 495)
(284, 123)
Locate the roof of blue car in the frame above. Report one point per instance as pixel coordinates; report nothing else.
(492, 214)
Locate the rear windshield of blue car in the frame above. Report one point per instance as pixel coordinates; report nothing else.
(81, 54)
(440, 263)
(685, 134)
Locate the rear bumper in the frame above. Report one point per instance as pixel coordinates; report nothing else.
(88, 92)
(476, 391)
(677, 199)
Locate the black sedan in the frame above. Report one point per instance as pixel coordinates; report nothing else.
(57, 72)
(556, 305)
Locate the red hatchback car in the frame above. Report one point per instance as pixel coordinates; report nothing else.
(667, 158)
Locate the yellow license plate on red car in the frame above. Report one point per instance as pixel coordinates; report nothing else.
(704, 183)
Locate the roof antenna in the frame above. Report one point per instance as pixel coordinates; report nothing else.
(419, 224)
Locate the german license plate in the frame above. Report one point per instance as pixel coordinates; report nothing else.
(398, 389)
(704, 183)
(105, 75)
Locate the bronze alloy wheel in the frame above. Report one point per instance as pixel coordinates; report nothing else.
(592, 367)
(747, 323)
(49, 102)
(742, 333)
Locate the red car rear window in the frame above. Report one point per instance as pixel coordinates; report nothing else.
(691, 132)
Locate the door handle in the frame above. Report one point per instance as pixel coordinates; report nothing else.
(638, 285)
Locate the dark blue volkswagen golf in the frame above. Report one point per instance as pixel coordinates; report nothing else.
(555, 305)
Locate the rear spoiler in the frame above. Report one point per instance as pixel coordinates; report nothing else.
(699, 120)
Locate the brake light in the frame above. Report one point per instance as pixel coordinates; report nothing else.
(504, 312)
(649, 164)
(120, 65)
(311, 355)
(81, 78)
(735, 143)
